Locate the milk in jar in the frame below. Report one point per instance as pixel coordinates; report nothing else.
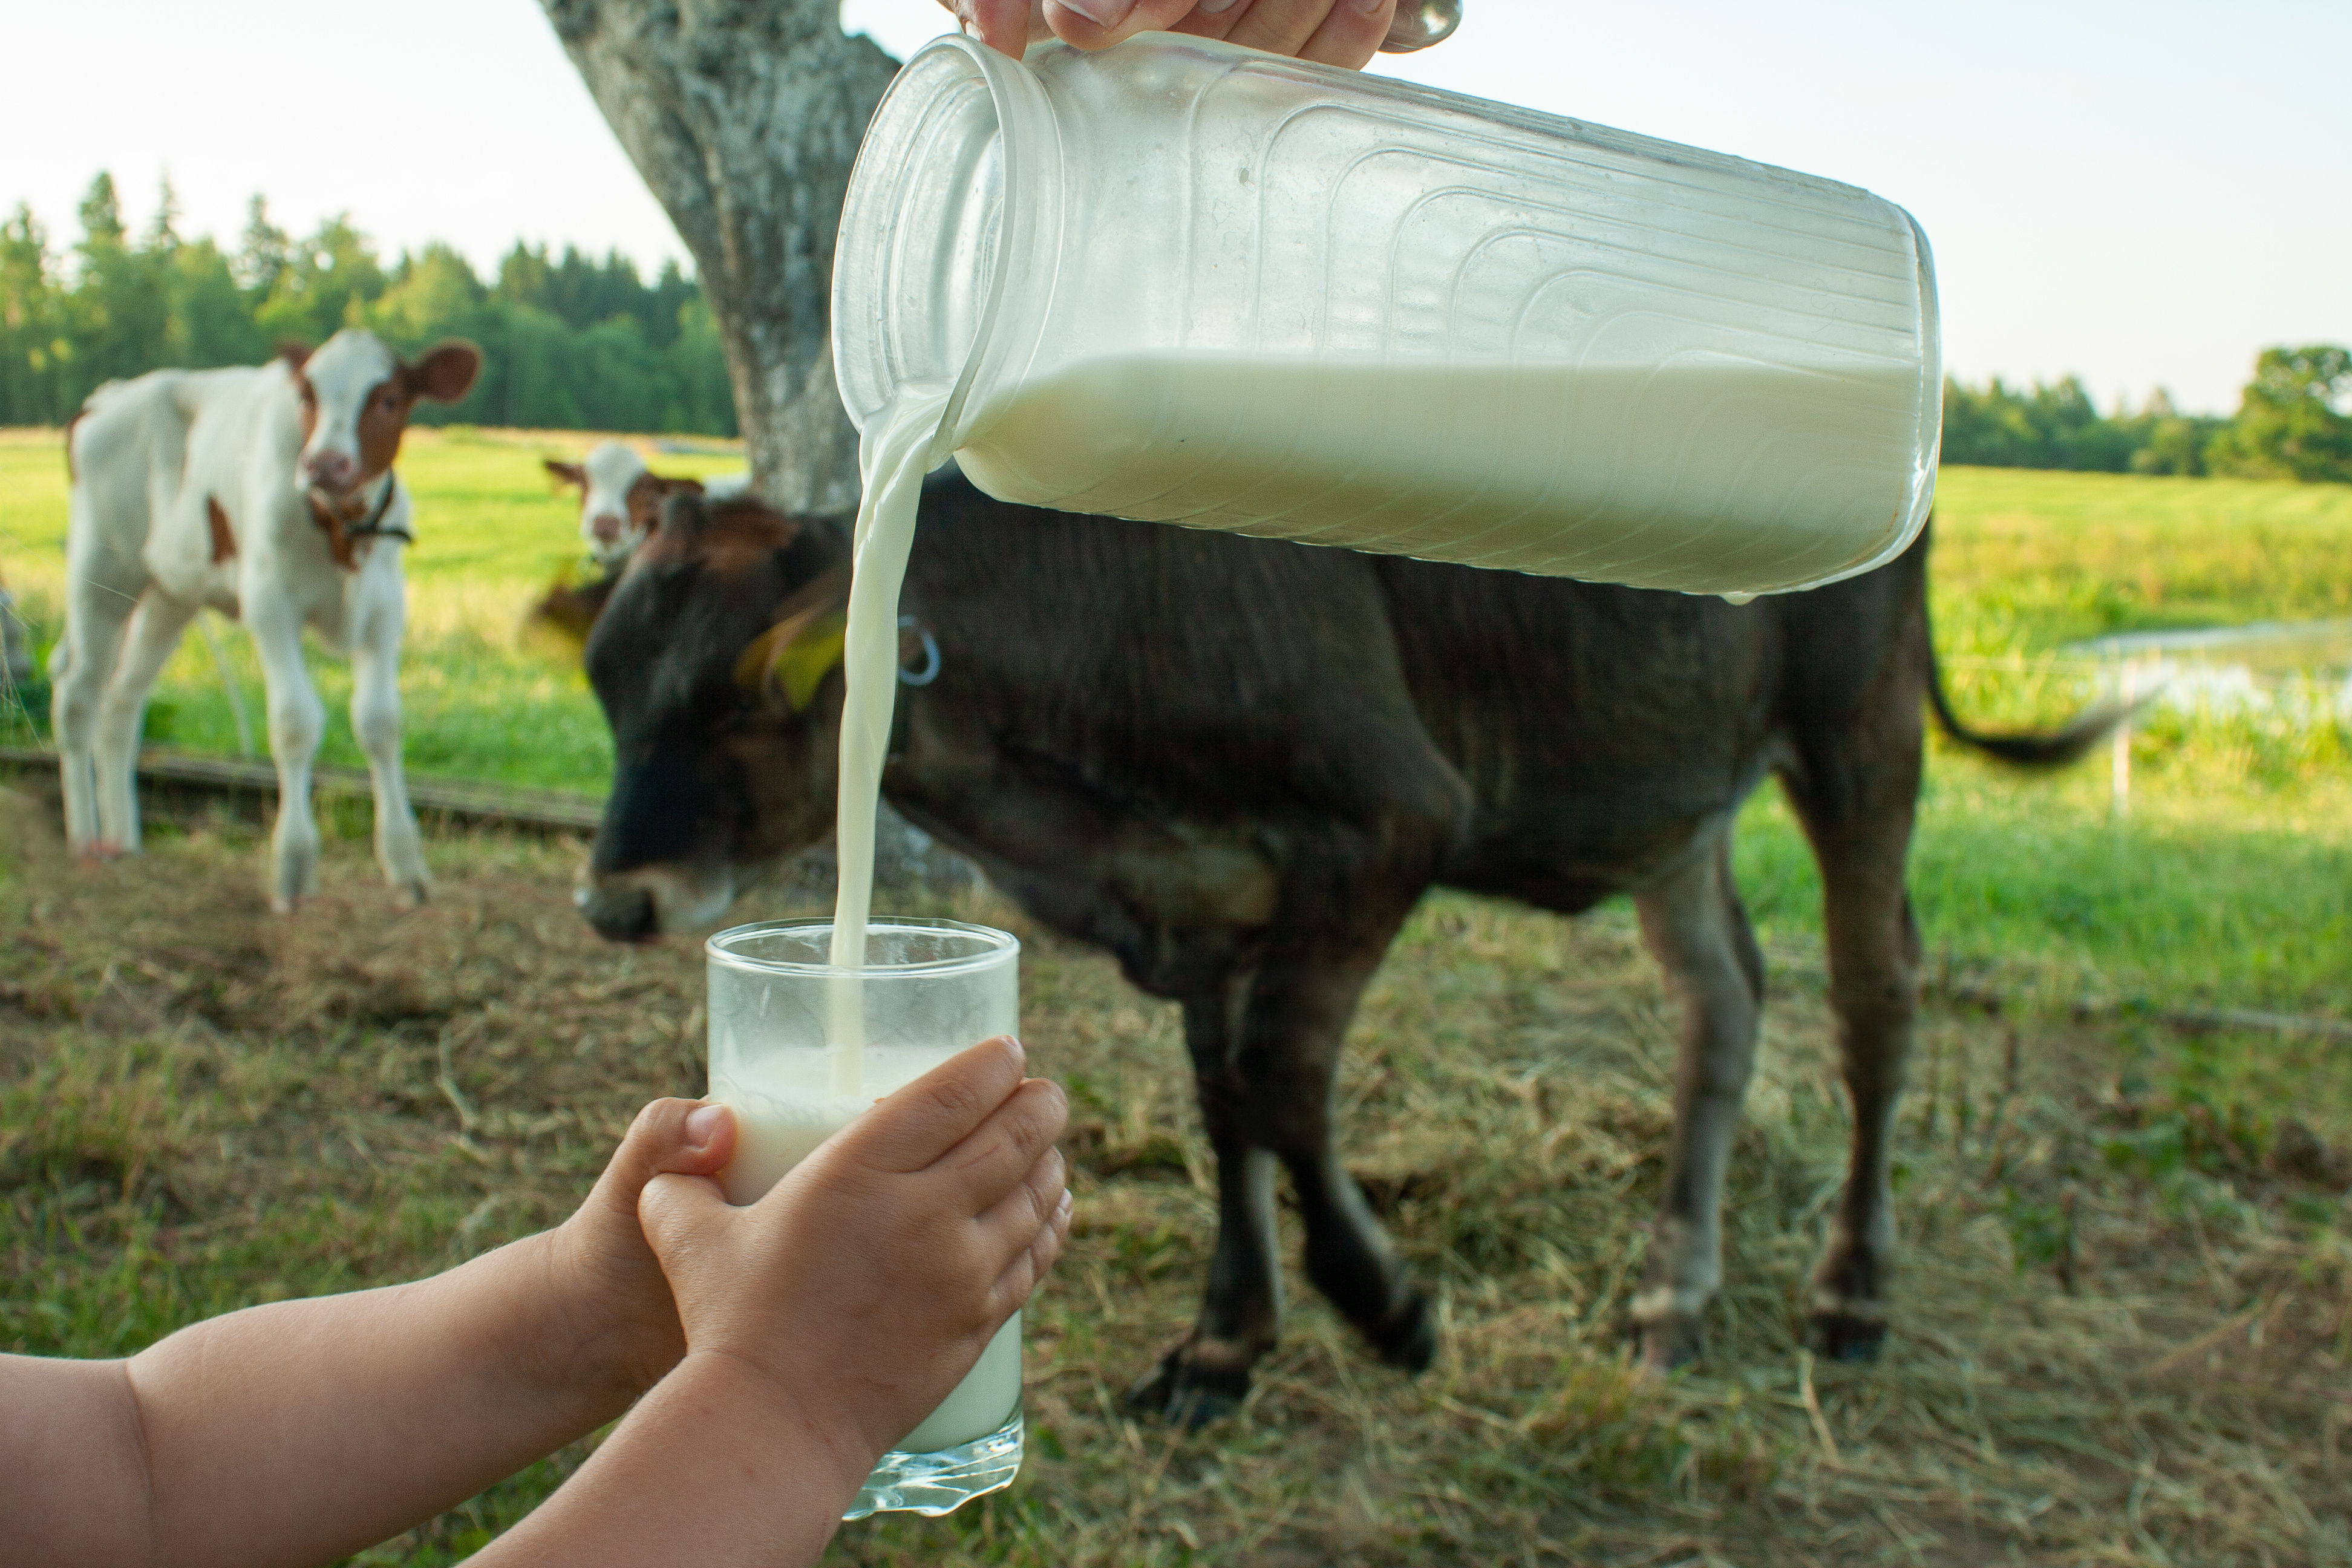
(1182, 281)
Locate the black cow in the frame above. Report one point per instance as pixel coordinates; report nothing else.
(1237, 764)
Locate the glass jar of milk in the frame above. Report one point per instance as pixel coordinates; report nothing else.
(799, 1048)
(1188, 282)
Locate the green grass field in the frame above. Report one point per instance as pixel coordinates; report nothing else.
(2230, 882)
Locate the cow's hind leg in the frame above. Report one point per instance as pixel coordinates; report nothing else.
(1697, 929)
(1266, 1049)
(102, 592)
(1856, 792)
(1874, 956)
(155, 632)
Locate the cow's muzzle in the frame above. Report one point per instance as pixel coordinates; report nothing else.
(641, 904)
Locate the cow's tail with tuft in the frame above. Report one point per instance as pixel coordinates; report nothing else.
(2029, 749)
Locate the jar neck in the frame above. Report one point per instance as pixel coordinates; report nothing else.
(949, 233)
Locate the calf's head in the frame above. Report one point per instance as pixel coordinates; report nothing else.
(717, 661)
(354, 394)
(620, 499)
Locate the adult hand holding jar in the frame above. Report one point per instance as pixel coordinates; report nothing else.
(1333, 32)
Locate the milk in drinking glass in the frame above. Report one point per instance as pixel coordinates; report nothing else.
(799, 1048)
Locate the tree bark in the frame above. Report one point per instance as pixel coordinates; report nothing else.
(744, 118)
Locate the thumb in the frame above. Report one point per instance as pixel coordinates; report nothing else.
(680, 1135)
(681, 1216)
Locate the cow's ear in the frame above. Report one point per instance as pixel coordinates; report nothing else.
(296, 355)
(566, 473)
(445, 373)
(682, 511)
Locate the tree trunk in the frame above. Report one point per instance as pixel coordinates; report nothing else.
(744, 117)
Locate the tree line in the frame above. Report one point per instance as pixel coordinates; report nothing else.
(576, 344)
(2293, 422)
(569, 342)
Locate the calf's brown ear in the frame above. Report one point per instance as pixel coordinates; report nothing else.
(566, 473)
(681, 511)
(296, 355)
(681, 486)
(447, 372)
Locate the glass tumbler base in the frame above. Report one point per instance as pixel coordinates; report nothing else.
(945, 1479)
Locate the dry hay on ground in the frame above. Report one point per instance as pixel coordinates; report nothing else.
(2121, 1330)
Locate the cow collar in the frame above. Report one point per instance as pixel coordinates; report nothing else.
(345, 530)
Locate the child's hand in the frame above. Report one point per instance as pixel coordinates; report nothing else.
(866, 1282)
(616, 1296)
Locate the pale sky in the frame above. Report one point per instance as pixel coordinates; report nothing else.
(2141, 194)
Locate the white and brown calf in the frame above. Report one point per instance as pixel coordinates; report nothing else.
(621, 498)
(267, 493)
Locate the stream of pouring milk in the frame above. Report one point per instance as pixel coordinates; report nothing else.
(892, 458)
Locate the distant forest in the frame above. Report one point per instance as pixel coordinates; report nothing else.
(569, 342)
(577, 343)
(2293, 422)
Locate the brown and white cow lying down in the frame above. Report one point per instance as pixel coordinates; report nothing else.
(266, 493)
(619, 503)
(1237, 764)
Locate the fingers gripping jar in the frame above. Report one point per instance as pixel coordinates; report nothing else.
(1187, 282)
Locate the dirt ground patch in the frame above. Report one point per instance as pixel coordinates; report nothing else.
(2121, 1325)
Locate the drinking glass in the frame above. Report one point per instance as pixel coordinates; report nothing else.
(798, 1048)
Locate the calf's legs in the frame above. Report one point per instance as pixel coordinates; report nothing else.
(1855, 795)
(1696, 928)
(375, 721)
(155, 630)
(1873, 953)
(1266, 1048)
(297, 721)
(99, 603)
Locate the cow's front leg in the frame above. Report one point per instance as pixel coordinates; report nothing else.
(1208, 1374)
(154, 631)
(375, 721)
(1265, 1053)
(297, 721)
(1696, 927)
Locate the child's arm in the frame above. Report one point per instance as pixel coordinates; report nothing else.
(821, 1325)
(298, 1432)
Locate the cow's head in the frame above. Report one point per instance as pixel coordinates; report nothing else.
(620, 499)
(717, 664)
(354, 395)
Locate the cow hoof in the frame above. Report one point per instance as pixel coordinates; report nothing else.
(1671, 1343)
(1182, 1393)
(1846, 1336)
(280, 904)
(1409, 1338)
(102, 852)
(410, 895)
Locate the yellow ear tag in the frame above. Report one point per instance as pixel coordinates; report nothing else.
(799, 651)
